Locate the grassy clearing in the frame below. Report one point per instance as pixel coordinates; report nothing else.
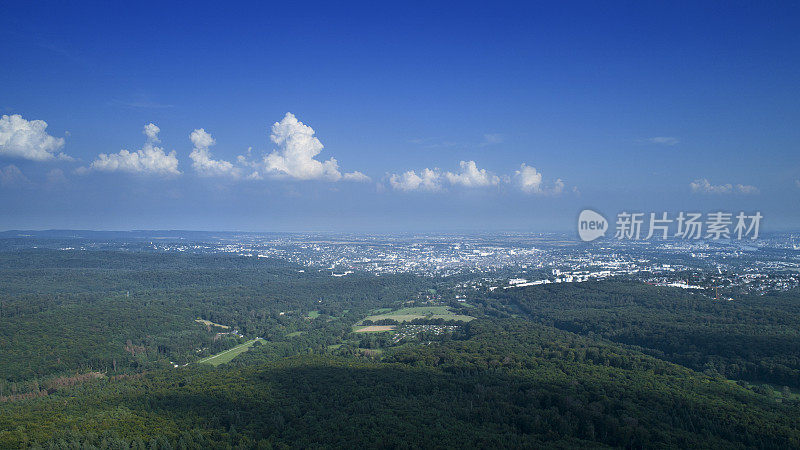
(209, 323)
(374, 329)
(227, 355)
(295, 333)
(370, 351)
(420, 312)
(313, 314)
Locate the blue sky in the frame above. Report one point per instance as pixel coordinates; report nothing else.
(627, 106)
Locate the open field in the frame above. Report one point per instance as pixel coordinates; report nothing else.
(370, 351)
(420, 312)
(374, 329)
(313, 314)
(227, 355)
(209, 323)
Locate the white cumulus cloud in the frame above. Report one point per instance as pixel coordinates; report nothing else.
(203, 163)
(529, 179)
(426, 180)
(151, 131)
(28, 139)
(297, 148)
(471, 176)
(149, 160)
(356, 176)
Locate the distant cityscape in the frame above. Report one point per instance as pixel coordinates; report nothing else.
(500, 260)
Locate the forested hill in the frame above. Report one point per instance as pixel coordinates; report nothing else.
(116, 349)
(503, 383)
(68, 311)
(753, 338)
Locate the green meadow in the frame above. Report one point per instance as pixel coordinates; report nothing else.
(420, 312)
(228, 355)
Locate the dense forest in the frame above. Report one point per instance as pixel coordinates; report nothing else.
(104, 350)
(506, 383)
(753, 338)
(69, 310)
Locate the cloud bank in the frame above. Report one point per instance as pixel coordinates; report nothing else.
(527, 179)
(471, 176)
(427, 180)
(20, 138)
(150, 159)
(296, 156)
